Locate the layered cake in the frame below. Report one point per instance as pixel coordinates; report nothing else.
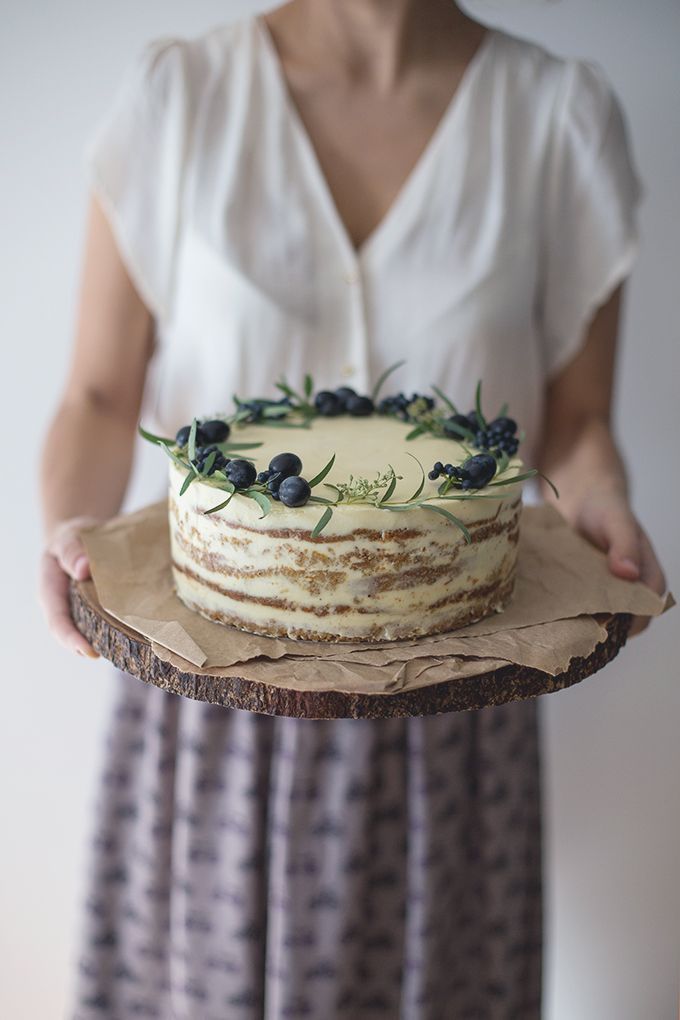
(336, 517)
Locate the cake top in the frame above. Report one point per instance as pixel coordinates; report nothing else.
(338, 448)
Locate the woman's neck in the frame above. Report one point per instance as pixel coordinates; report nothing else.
(373, 40)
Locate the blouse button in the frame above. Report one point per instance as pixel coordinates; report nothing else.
(347, 371)
(351, 277)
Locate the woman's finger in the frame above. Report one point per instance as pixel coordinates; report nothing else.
(54, 586)
(70, 552)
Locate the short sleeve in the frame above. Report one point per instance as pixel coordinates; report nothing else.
(136, 161)
(590, 234)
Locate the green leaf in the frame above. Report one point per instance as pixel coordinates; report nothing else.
(502, 463)
(388, 372)
(459, 430)
(552, 486)
(187, 482)
(503, 411)
(320, 499)
(151, 438)
(322, 521)
(417, 431)
(220, 506)
(478, 404)
(449, 516)
(391, 487)
(288, 391)
(209, 463)
(175, 458)
(442, 396)
(519, 478)
(322, 474)
(192, 439)
(275, 411)
(422, 480)
(222, 482)
(262, 501)
(308, 386)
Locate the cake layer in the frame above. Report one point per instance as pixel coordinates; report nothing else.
(371, 575)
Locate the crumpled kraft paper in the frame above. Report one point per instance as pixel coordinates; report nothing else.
(564, 592)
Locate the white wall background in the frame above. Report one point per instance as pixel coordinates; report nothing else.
(612, 758)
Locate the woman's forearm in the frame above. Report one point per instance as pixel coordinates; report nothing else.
(86, 461)
(583, 464)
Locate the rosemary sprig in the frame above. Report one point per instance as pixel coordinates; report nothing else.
(151, 438)
(386, 374)
(322, 521)
(322, 473)
(445, 400)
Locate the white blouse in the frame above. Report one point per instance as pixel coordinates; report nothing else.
(513, 227)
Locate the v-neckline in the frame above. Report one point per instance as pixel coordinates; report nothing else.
(412, 178)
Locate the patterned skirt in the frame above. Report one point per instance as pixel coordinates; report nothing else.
(255, 868)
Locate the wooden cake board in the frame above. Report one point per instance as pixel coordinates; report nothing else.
(133, 653)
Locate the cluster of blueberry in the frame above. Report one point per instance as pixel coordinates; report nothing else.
(400, 406)
(474, 473)
(283, 480)
(498, 435)
(207, 432)
(344, 400)
(209, 458)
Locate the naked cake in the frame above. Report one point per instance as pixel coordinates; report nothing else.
(335, 517)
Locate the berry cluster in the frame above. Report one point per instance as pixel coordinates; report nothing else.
(405, 408)
(474, 473)
(344, 400)
(499, 435)
(283, 480)
(207, 465)
(207, 432)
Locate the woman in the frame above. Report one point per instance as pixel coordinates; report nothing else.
(329, 189)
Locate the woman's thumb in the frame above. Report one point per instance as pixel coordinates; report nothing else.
(70, 552)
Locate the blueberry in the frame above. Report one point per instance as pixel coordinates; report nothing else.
(360, 407)
(215, 431)
(241, 473)
(263, 477)
(328, 404)
(182, 437)
(294, 491)
(449, 470)
(504, 426)
(273, 483)
(433, 475)
(285, 464)
(343, 393)
(479, 470)
(438, 467)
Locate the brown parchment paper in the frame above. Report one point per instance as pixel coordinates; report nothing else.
(564, 591)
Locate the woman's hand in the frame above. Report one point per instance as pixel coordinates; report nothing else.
(607, 521)
(65, 558)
